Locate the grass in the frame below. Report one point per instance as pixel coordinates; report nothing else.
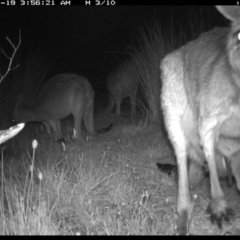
(147, 55)
(156, 39)
(108, 185)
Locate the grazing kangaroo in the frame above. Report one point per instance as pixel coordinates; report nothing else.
(201, 103)
(122, 83)
(63, 95)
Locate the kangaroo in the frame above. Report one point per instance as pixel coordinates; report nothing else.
(201, 103)
(63, 95)
(122, 83)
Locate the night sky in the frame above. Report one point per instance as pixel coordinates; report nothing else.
(89, 41)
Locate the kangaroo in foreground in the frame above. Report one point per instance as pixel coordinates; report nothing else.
(201, 103)
(122, 83)
(63, 95)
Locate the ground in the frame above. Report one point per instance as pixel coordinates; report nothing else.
(107, 184)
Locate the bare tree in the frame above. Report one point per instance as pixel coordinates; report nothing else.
(11, 132)
(15, 48)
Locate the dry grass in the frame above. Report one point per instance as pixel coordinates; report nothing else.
(108, 185)
(151, 48)
(154, 41)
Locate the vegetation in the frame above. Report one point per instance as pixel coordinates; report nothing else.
(109, 185)
(155, 39)
(106, 185)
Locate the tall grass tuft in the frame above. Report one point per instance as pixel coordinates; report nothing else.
(154, 41)
(152, 47)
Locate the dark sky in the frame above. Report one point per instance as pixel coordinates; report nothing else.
(88, 40)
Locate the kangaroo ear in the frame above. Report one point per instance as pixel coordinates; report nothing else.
(230, 12)
(18, 101)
